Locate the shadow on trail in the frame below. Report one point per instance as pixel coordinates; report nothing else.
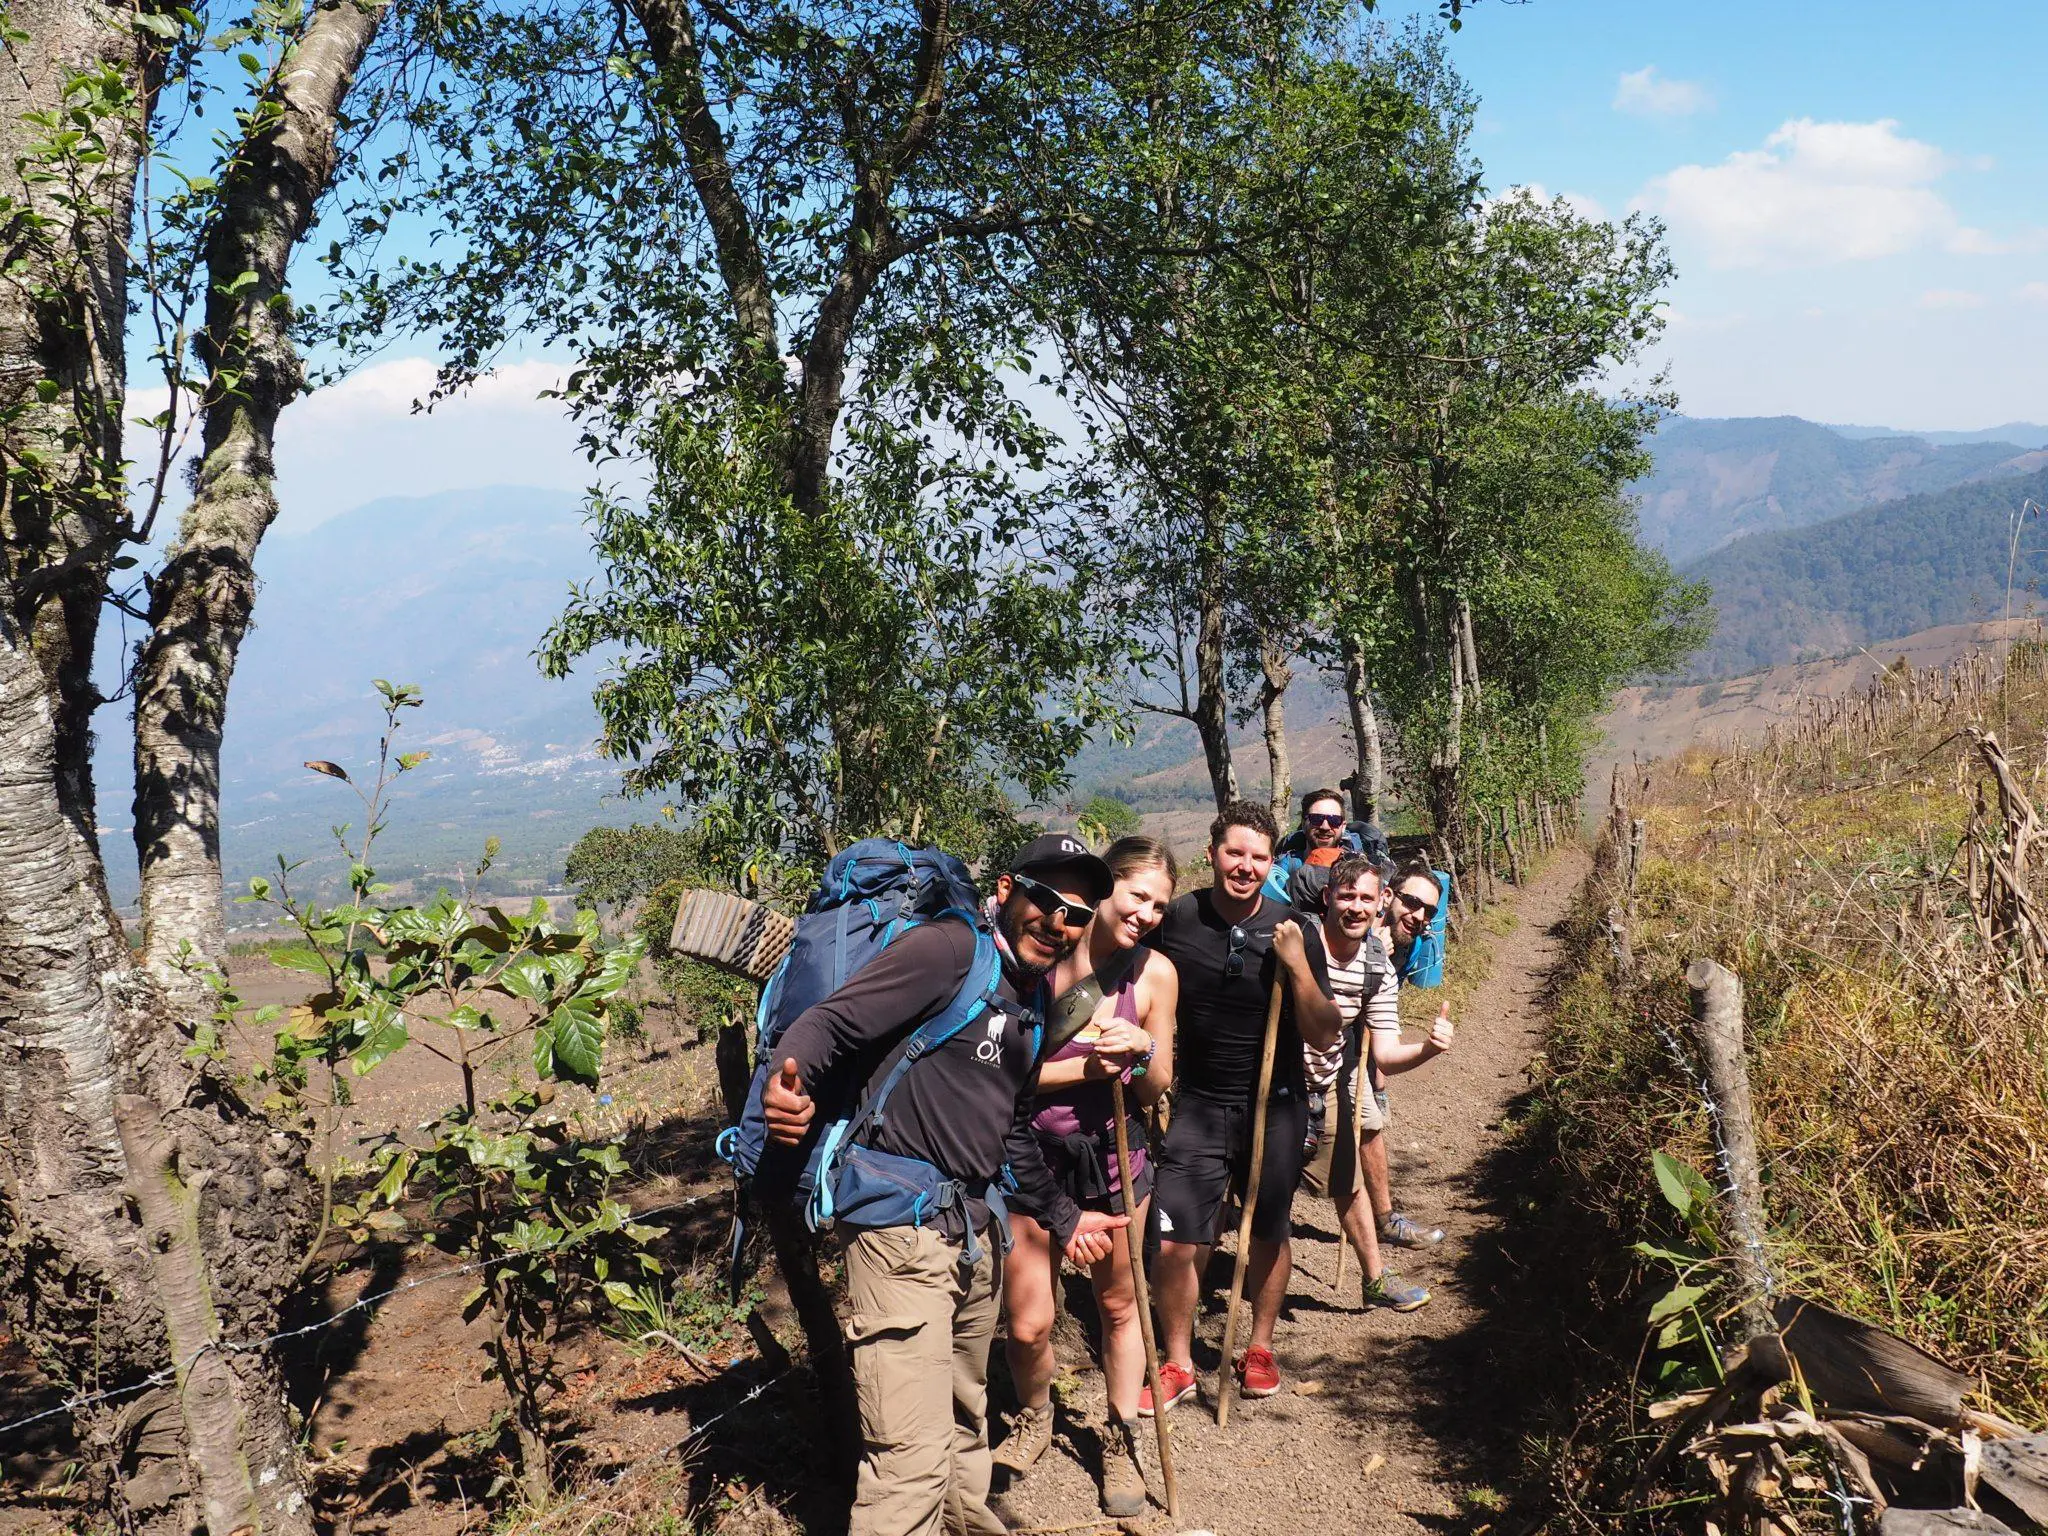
(1490, 1392)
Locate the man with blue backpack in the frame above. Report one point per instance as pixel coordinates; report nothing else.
(915, 1177)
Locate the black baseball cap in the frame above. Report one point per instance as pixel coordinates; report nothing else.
(1057, 852)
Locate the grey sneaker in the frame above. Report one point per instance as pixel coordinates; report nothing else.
(1030, 1433)
(1123, 1473)
(1395, 1294)
(1397, 1228)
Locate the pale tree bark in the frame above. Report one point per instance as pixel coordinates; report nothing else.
(117, 1266)
(1275, 675)
(87, 1042)
(1368, 774)
(63, 311)
(1469, 652)
(201, 601)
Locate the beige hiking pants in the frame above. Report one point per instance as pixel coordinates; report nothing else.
(919, 1334)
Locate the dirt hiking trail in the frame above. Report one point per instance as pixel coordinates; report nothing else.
(1411, 1397)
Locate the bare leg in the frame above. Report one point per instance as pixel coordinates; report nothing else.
(1176, 1291)
(1362, 1231)
(1123, 1345)
(1029, 1276)
(1266, 1275)
(1372, 1155)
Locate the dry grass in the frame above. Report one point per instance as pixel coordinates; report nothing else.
(1873, 878)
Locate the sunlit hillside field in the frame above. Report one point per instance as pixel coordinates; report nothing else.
(1876, 875)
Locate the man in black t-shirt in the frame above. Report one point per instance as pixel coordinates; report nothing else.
(1231, 945)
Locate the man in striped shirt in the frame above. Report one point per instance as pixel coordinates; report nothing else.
(1366, 990)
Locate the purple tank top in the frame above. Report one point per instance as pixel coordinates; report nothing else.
(1089, 1108)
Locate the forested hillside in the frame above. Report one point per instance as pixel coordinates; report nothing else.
(1870, 576)
(1716, 481)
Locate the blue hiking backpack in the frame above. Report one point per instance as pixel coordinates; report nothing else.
(871, 894)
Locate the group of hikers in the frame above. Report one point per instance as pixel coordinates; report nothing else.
(1108, 988)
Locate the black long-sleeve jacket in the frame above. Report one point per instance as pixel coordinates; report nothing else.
(966, 1108)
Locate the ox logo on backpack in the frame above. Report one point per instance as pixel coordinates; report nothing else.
(870, 895)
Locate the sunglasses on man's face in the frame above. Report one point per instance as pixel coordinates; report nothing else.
(1233, 955)
(1417, 904)
(1072, 914)
(1324, 819)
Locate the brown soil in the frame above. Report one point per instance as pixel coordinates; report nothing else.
(1385, 1423)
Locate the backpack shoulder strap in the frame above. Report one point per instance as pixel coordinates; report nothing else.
(977, 988)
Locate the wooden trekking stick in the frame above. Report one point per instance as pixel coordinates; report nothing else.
(1135, 1236)
(1251, 1203)
(1361, 1085)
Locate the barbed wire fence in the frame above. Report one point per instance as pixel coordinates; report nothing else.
(176, 1369)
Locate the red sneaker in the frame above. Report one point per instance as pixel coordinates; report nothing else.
(1257, 1375)
(1176, 1382)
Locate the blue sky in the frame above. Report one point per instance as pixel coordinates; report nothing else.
(1854, 192)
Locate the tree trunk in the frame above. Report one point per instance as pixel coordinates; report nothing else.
(200, 602)
(1273, 664)
(96, 1067)
(1369, 771)
(1468, 652)
(63, 368)
(1212, 700)
(1446, 789)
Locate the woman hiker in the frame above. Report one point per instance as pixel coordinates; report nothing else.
(1120, 997)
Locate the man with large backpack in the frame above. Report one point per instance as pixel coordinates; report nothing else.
(1303, 859)
(915, 1179)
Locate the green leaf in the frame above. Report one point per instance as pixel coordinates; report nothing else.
(1682, 1186)
(380, 1040)
(578, 1041)
(528, 977)
(1680, 1298)
(299, 957)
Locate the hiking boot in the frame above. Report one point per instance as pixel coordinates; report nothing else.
(1257, 1375)
(1030, 1433)
(1397, 1228)
(1395, 1294)
(1177, 1382)
(1123, 1474)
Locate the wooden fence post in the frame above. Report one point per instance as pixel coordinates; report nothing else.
(1717, 1030)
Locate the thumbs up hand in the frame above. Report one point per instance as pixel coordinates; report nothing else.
(785, 1106)
(1441, 1030)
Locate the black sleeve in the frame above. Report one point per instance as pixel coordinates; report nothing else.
(1034, 1180)
(901, 987)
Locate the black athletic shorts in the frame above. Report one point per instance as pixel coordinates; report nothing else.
(1208, 1144)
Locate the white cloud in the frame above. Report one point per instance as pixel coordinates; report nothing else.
(363, 437)
(1646, 93)
(1816, 193)
(1951, 298)
(2034, 293)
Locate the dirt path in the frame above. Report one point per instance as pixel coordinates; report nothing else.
(1408, 1396)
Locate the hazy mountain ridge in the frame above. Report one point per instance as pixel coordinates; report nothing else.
(1895, 569)
(1716, 481)
(451, 592)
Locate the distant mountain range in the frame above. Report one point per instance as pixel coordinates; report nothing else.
(2026, 434)
(451, 592)
(1815, 540)
(1874, 575)
(1718, 481)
